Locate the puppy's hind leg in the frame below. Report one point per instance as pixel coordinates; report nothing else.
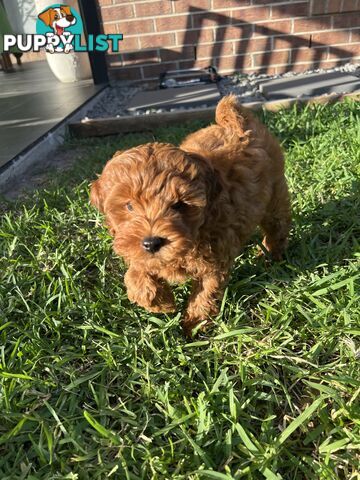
(277, 221)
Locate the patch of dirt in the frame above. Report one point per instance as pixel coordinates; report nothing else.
(41, 174)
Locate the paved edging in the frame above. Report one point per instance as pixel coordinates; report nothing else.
(100, 127)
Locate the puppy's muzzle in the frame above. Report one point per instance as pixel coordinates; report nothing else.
(153, 244)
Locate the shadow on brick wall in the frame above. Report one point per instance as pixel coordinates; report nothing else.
(279, 47)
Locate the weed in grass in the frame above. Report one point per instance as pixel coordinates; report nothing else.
(92, 387)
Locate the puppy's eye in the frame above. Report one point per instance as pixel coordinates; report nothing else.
(129, 207)
(178, 206)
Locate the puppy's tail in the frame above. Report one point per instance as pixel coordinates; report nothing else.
(235, 119)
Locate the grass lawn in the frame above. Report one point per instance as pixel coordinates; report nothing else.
(93, 387)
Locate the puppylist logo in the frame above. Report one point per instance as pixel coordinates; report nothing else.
(58, 30)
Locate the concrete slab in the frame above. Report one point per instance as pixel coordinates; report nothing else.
(175, 97)
(33, 101)
(311, 85)
(38, 152)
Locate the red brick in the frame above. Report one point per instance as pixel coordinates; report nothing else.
(117, 13)
(214, 50)
(350, 6)
(303, 67)
(345, 51)
(109, 28)
(268, 70)
(318, 7)
(152, 9)
(331, 38)
(233, 33)
(253, 45)
(332, 63)
(233, 63)
(178, 22)
(301, 55)
(321, 23)
(141, 56)
(184, 6)
(295, 10)
(105, 2)
(283, 69)
(218, 17)
(270, 58)
(290, 41)
(153, 71)
(211, 19)
(346, 21)
(194, 64)
(250, 15)
(322, 64)
(266, 2)
(132, 28)
(126, 73)
(273, 28)
(230, 3)
(176, 54)
(355, 36)
(334, 6)
(129, 43)
(191, 37)
(159, 40)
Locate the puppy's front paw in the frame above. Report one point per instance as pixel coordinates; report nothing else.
(193, 325)
(152, 294)
(164, 301)
(143, 297)
(162, 308)
(270, 255)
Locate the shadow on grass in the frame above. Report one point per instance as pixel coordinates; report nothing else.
(328, 234)
(328, 237)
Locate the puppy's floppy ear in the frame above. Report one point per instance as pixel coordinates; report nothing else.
(210, 177)
(66, 9)
(46, 16)
(213, 184)
(97, 195)
(100, 188)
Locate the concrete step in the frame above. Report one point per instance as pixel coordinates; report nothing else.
(310, 85)
(168, 98)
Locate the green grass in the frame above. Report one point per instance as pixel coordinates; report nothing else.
(92, 387)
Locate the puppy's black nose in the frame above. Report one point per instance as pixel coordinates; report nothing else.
(70, 18)
(153, 244)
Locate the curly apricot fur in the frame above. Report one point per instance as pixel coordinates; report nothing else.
(229, 178)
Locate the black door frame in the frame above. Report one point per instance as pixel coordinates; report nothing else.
(90, 14)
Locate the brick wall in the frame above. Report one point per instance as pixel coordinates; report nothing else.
(264, 36)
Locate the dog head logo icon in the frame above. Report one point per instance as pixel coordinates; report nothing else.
(58, 18)
(60, 29)
(58, 21)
